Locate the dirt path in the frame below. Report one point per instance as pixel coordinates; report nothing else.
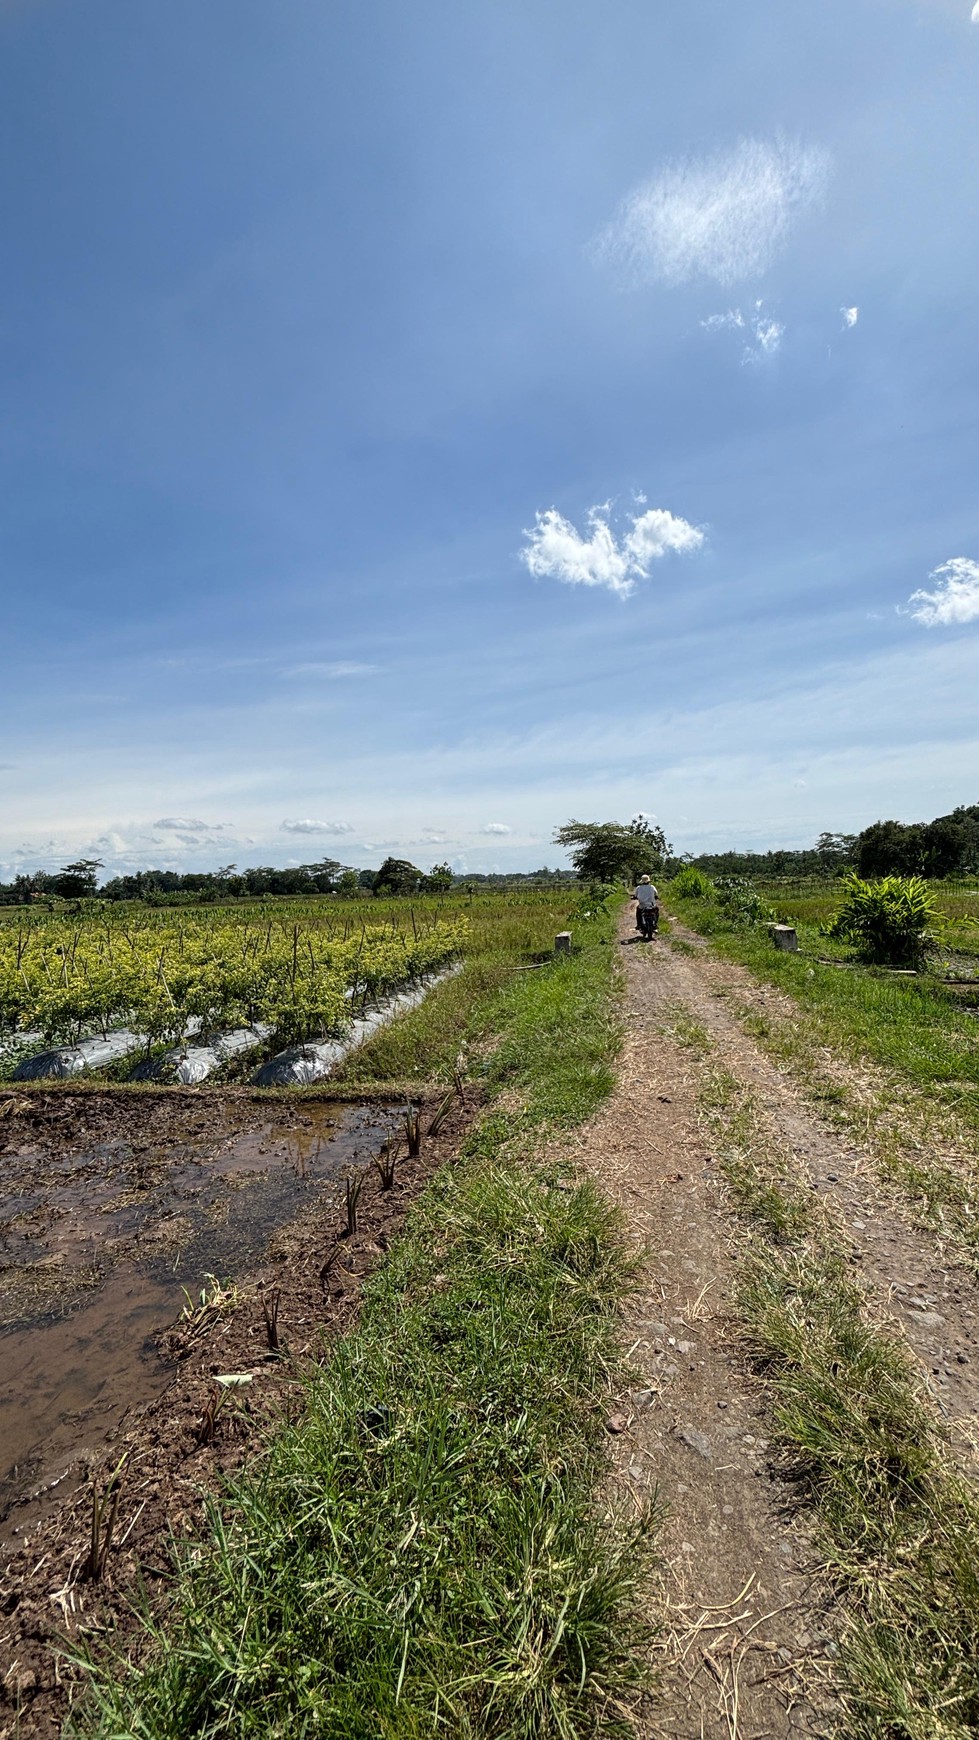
(747, 1646)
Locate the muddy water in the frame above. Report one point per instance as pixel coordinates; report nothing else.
(97, 1246)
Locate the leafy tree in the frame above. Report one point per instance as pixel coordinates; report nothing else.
(891, 848)
(836, 850)
(348, 884)
(615, 851)
(439, 879)
(78, 881)
(397, 876)
(324, 875)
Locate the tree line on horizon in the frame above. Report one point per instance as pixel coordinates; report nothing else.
(80, 881)
(946, 846)
(617, 851)
(600, 852)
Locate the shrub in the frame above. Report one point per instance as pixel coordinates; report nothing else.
(887, 919)
(692, 884)
(594, 903)
(741, 903)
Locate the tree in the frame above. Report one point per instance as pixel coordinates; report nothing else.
(836, 850)
(439, 879)
(397, 876)
(890, 848)
(78, 881)
(615, 851)
(348, 884)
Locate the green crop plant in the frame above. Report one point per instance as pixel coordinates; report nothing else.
(158, 973)
(887, 920)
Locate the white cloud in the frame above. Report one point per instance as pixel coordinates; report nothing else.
(723, 217)
(334, 670)
(189, 831)
(975, 13)
(556, 550)
(183, 825)
(852, 315)
(766, 333)
(955, 598)
(496, 828)
(310, 827)
(717, 322)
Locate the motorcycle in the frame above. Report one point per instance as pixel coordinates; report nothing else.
(647, 921)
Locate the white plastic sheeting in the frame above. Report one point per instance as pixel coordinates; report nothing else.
(67, 1060)
(194, 1063)
(16, 1042)
(303, 1064)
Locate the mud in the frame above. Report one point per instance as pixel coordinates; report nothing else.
(218, 1150)
(103, 1240)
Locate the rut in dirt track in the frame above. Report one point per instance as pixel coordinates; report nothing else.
(747, 1645)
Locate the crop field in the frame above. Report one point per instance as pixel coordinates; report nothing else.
(297, 972)
(120, 1206)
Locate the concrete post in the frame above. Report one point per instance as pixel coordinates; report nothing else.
(562, 943)
(784, 937)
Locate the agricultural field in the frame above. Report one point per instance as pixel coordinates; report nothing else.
(155, 1236)
(812, 905)
(263, 974)
(115, 1199)
(297, 972)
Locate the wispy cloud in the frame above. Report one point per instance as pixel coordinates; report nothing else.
(852, 315)
(496, 828)
(334, 670)
(763, 333)
(556, 550)
(955, 598)
(975, 13)
(189, 828)
(307, 826)
(723, 217)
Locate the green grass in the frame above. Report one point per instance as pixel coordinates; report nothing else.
(424, 1551)
(895, 1525)
(507, 934)
(917, 1109)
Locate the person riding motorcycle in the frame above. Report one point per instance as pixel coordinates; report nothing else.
(647, 908)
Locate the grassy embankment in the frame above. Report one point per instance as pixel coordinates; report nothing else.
(913, 1099)
(896, 1526)
(424, 1551)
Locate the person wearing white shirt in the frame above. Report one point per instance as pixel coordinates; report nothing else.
(647, 908)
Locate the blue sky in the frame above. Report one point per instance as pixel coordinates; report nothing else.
(423, 424)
